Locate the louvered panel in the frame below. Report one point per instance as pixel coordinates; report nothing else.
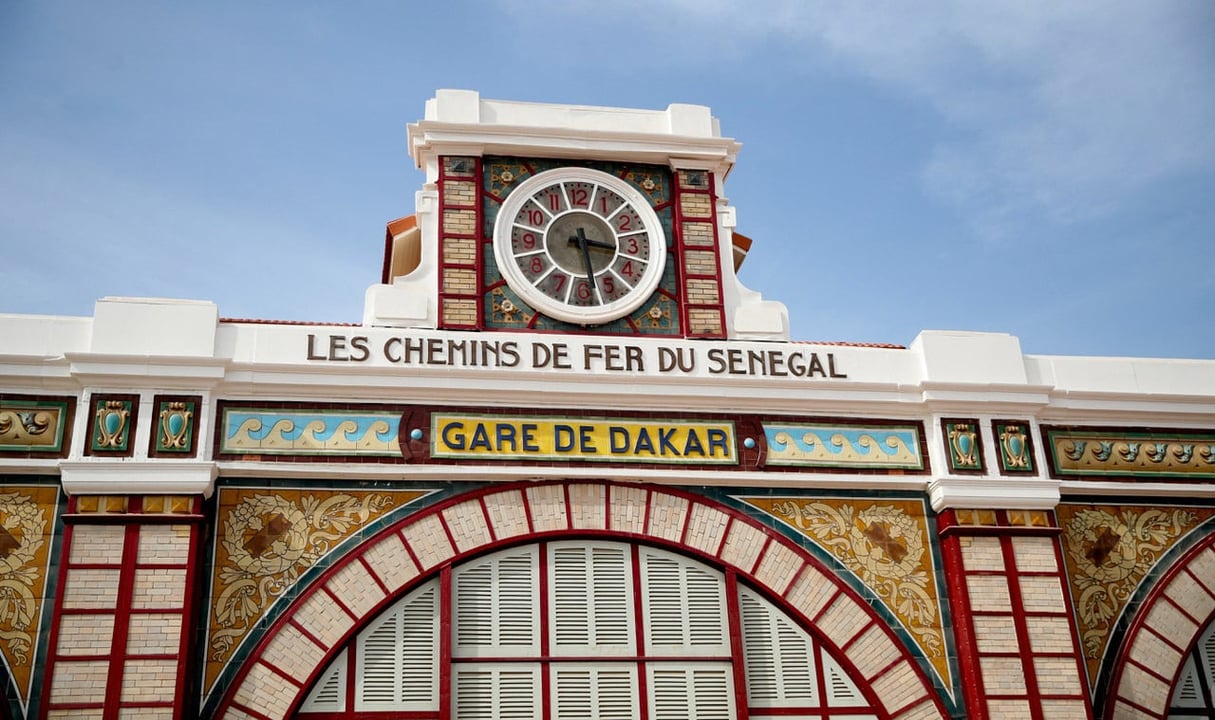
(779, 656)
(697, 691)
(496, 692)
(379, 663)
(329, 693)
(496, 608)
(592, 594)
(611, 585)
(841, 691)
(571, 602)
(585, 691)
(1187, 693)
(398, 655)
(684, 605)
(516, 602)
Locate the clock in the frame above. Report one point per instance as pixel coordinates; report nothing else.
(580, 245)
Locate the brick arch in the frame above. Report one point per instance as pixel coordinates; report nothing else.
(1162, 635)
(274, 679)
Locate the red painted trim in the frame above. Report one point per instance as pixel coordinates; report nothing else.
(417, 564)
(818, 616)
(307, 633)
(260, 645)
(569, 508)
(280, 672)
(737, 653)
(250, 711)
(451, 538)
(489, 523)
(1021, 628)
(725, 533)
(527, 511)
(339, 602)
(759, 557)
(970, 676)
(122, 622)
(687, 523)
(445, 644)
(479, 245)
(1139, 624)
(371, 571)
(542, 579)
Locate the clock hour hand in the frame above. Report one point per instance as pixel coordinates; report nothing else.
(584, 244)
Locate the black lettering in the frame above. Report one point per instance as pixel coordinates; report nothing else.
(664, 441)
(480, 438)
(736, 359)
(434, 352)
(453, 435)
(388, 353)
(757, 358)
(717, 440)
(337, 348)
(510, 350)
(561, 357)
(586, 442)
(611, 358)
(644, 442)
(816, 367)
(831, 367)
(618, 439)
(692, 446)
(797, 364)
(634, 359)
(529, 437)
(591, 352)
(563, 438)
(717, 362)
(506, 435)
(412, 348)
(312, 354)
(358, 343)
(776, 363)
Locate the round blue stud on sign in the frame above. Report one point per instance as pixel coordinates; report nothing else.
(749, 443)
(415, 434)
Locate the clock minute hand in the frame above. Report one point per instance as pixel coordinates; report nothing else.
(584, 245)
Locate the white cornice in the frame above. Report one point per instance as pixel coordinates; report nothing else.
(152, 477)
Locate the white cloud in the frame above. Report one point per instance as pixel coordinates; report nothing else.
(1063, 108)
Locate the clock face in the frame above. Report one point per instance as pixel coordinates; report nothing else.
(579, 245)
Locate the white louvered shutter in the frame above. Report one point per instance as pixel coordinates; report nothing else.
(496, 605)
(603, 692)
(499, 691)
(685, 606)
(841, 691)
(329, 692)
(396, 668)
(591, 591)
(692, 691)
(779, 656)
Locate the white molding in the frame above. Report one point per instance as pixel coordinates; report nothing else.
(133, 477)
(1002, 493)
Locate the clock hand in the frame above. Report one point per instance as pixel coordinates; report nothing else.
(584, 245)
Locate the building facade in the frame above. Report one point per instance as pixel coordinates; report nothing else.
(567, 466)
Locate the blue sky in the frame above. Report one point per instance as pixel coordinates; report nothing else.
(1043, 169)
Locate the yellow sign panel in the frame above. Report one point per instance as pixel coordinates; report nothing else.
(593, 439)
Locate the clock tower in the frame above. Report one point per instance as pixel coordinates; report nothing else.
(569, 219)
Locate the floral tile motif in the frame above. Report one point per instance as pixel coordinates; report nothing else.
(26, 532)
(1109, 550)
(265, 540)
(887, 544)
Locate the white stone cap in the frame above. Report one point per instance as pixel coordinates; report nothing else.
(459, 122)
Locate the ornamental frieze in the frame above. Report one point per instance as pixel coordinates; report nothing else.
(1106, 452)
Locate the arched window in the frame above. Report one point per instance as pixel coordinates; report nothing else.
(573, 630)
